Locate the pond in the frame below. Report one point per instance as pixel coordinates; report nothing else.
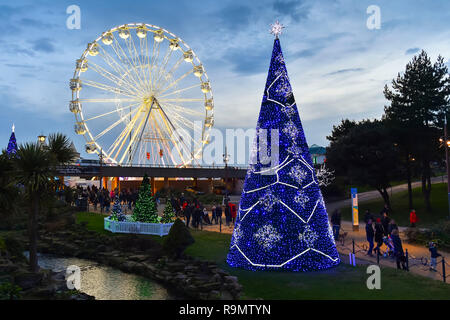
(106, 283)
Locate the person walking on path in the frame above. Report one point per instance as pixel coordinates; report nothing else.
(385, 222)
(379, 233)
(227, 214)
(413, 218)
(189, 214)
(392, 226)
(368, 216)
(218, 213)
(398, 250)
(434, 256)
(369, 235)
(336, 222)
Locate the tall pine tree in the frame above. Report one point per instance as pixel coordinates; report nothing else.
(282, 221)
(419, 101)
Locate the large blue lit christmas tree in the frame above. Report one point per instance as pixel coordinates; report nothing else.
(282, 221)
(11, 150)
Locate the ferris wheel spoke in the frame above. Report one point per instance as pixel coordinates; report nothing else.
(114, 111)
(169, 74)
(117, 67)
(125, 133)
(164, 141)
(155, 57)
(106, 87)
(176, 141)
(111, 126)
(113, 100)
(136, 60)
(176, 81)
(180, 90)
(126, 60)
(113, 78)
(162, 68)
(182, 109)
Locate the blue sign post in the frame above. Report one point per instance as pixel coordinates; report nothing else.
(355, 220)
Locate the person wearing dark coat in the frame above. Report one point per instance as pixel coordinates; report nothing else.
(227, 214)
(392, 226)
(188, 214)
(385, 222)
(218, 213)
(398, 250)
(379, 233)
(434, 255)
(368, 216)
(370, 235)
(336, 223)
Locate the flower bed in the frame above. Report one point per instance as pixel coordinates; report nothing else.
(160, 229)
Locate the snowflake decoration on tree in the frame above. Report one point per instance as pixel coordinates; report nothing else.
(237, 234)
(324, 176)
(308, 236)
(268, 200)
(330, 232)
(284, 88)
(288, 110)
(298, 174)
(267, 236)
(291, 130)
(301, 198)
(295, 150)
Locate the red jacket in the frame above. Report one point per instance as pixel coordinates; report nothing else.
(233, 210)
(412, 217)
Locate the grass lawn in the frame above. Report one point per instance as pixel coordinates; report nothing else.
(400, 207)
(342, 282)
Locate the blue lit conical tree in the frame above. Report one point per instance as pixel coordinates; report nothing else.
(282, 221)
(11, 150)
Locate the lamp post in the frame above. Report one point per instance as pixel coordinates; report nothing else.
(226, 158)
(41, 140)
(101, 165)
(446, 142)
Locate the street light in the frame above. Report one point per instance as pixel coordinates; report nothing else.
(41, 140)
(226, 158)
(447, 145)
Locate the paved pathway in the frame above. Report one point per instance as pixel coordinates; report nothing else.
(419, 255)
(374, 194)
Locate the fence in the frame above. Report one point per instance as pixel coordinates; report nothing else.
(160, 229)
(409, 262)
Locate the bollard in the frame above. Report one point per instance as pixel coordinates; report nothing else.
(407, 259)
(220, 225)
(378, 256)
(443, 270)
(353, 244)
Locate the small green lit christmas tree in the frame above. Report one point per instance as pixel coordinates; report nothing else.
(117, 214)
(168, 214)
(145, 210)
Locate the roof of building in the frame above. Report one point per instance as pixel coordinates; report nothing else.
(317, 150)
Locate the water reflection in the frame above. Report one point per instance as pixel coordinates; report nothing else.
(106, 283)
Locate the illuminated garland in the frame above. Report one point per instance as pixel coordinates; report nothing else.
(282, 220)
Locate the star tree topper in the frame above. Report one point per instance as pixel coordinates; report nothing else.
(276, 29)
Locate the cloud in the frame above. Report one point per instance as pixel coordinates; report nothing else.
(412, 51)
(297, 10)
(341, 71)
(235, 17)
(43, 45)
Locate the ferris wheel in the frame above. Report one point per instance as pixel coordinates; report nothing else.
(140, 95)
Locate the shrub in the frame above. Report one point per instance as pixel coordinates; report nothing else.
(9, 291)
(178, 239)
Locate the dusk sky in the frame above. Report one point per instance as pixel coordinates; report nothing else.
(337, 66)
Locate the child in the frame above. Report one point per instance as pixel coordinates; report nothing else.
(434, 256)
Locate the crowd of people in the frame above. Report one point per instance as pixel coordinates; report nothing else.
(196, 214)
(383, 230)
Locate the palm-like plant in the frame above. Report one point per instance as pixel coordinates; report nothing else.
(33, 166)
(60, 149)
